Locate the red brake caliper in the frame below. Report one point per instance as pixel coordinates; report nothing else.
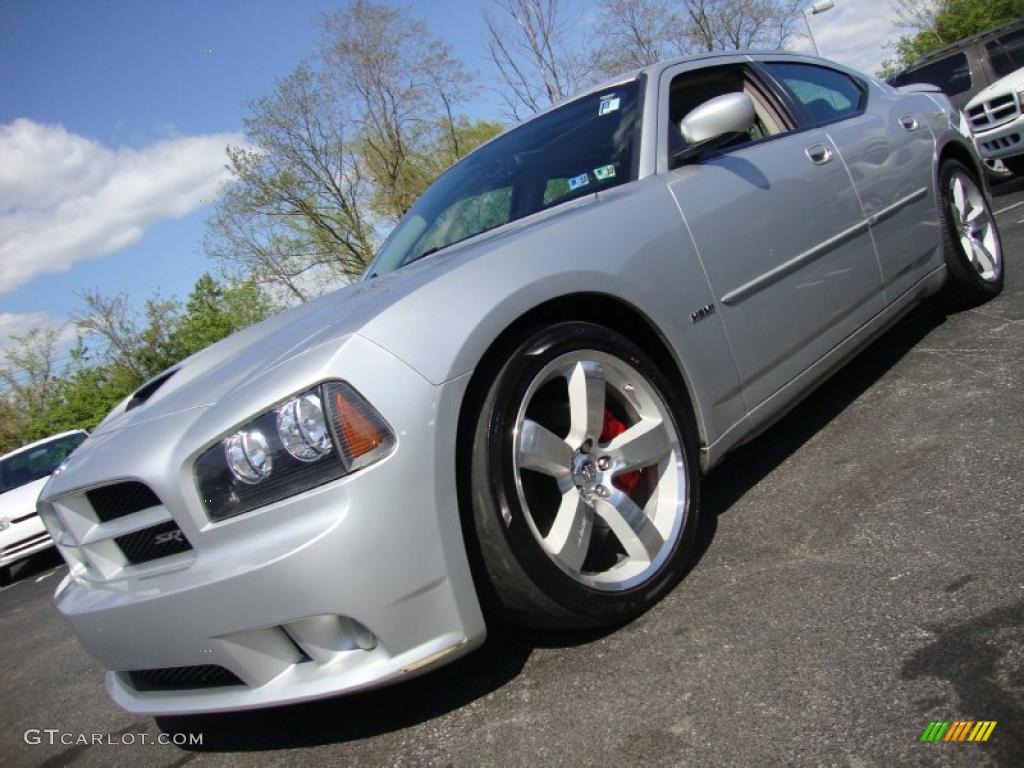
(612, 427)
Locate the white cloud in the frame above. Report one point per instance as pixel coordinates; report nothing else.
(853, 33)
(65, 198)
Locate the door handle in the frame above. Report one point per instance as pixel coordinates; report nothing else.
(909, 123)
(819, 154)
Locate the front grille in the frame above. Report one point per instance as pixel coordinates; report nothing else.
(1003, 142)
(113, 501)
(181, 678)
(994, 112)
(151, 543)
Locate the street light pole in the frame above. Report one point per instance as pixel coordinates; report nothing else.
(819, 7)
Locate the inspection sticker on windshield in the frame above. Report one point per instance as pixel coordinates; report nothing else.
(608, 104)
(579, 181)
(604, 173)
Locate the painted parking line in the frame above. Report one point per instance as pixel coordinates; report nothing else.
(46, 575)
(1010, 207)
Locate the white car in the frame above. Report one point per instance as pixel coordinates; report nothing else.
(996, 118)
(23, 473)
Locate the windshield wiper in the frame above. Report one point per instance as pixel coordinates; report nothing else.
(436, 248)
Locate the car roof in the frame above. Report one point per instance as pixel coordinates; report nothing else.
(37, 443)
(939, 53)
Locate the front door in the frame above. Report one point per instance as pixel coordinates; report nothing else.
(785, 246)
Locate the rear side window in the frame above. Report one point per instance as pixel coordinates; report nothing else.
(1007, 54)
(952, 74)
(827, 94)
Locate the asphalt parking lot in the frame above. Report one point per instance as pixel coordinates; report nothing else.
(863, 576)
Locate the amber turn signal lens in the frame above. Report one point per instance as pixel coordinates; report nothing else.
(362, 435)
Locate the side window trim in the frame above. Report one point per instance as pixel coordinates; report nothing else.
(808, 120)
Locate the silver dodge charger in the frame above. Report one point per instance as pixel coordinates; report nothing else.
(509, 416)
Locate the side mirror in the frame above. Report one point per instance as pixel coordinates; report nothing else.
(715, 122)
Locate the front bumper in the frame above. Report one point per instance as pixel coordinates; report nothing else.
(1005, 141)
(25, 537)
(355, 584)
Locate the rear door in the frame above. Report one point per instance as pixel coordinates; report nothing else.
(779, 230)
(889, 151)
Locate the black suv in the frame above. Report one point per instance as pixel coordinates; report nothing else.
(969, 65)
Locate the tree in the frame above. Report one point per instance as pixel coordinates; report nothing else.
(294, 217)
(404, 86)
(214, 311)
(635, 33)
(543, 52)
(122, 345)
(724, 25)
(536, 55)
(934, 24)
(341, 150)
(117, 350)
(31, 382)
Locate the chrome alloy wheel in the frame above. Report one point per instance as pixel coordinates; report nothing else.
(600, 470)
(975, 227)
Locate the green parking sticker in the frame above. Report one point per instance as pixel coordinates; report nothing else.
(604, 173)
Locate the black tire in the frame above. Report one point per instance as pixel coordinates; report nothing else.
(1015, 165)
(516, 579)
(964, 285)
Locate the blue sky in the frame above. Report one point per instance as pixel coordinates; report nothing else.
(123, 77)
(113, 119)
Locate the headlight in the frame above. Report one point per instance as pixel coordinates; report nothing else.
(313, 438)
(248, 455)
(302, 427)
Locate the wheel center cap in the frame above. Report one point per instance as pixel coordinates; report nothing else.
(584, 471)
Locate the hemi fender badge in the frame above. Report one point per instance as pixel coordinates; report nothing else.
(700, 314)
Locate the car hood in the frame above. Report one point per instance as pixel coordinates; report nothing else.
(19, 501)
(1012, 83)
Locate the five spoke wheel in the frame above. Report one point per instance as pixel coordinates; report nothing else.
(975, 226)
(599, 470)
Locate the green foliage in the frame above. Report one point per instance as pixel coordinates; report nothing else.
(37, 400)
(953, 20)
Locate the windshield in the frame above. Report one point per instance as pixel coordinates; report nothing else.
(28, 466)
(575, 150)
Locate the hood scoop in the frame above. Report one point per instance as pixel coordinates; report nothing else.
(143, 393)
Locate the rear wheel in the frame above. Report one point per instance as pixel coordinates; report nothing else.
(973, 250)
(584, 480)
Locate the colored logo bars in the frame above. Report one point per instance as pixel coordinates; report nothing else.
(958, 730)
